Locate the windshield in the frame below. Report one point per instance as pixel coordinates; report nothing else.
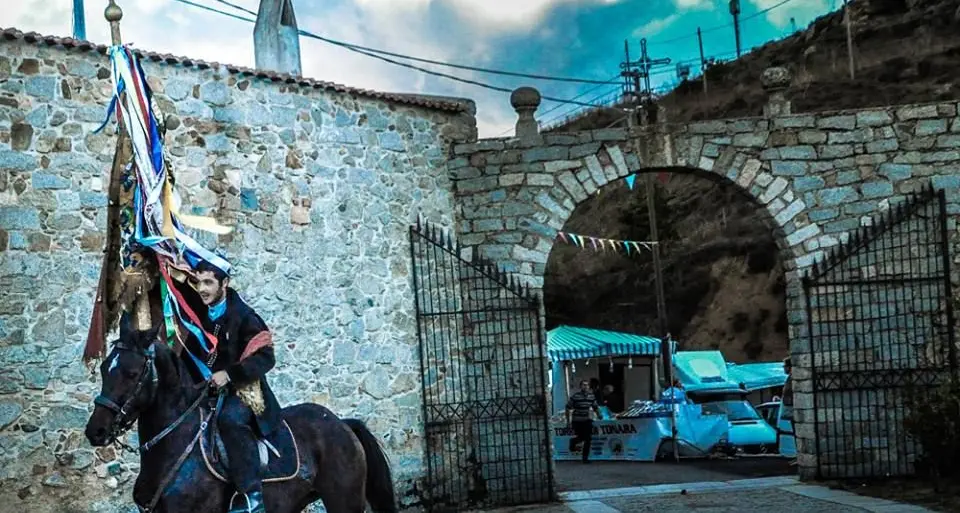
(735, 410)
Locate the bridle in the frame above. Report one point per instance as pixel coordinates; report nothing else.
(123, 416)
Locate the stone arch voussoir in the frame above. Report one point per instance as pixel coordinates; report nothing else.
(575, 179)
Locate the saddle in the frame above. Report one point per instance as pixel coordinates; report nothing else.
(279, 453)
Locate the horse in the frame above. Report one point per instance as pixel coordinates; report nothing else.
(338, 461)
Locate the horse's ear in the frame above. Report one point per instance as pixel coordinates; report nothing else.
(150, 336)
(126, 328)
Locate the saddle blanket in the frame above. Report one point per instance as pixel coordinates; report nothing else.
(279, 454)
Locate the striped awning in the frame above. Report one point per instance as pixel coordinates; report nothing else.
(575, 343)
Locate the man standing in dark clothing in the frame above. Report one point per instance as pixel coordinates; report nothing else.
(243, 355)
(580, 405)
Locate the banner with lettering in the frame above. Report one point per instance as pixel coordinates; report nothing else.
(638, 439)
(615, 440)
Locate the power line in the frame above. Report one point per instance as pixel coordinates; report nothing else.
(431, 61)
(559, 105)
(720, 27)
(570, 113)
(375, 56)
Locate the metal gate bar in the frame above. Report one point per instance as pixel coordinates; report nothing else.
(880, 321)
(483, 380)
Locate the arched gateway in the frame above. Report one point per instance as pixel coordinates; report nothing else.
(858, 254)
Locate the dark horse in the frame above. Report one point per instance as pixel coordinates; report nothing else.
(341, 462)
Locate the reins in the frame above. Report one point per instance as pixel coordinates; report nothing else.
(183, 456)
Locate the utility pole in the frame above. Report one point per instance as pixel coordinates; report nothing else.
(79, 23)
(631, 77)
(846, 17)
(635, 71)
(658, 279)
(703, 61)
(665, 340)
(735, 11)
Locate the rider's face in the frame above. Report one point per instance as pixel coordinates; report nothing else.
(211, 291)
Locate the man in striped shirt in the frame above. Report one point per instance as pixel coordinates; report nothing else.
(580, 405)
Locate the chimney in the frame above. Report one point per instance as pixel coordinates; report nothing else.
(276, 38)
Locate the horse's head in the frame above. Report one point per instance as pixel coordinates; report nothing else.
(129, 385)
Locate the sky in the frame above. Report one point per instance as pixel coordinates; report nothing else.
(568, 38)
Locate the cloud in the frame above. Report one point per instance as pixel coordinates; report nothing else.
(802, 10)
(491, 15)
(433, 29)
(656, 26)
(691, 5)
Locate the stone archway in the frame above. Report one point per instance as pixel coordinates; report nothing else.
(515, 195)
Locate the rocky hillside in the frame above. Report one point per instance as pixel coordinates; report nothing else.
(723, 280)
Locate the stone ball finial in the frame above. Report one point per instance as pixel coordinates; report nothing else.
(525, 101)
(525, 98)
(775, 78)
(113, 13)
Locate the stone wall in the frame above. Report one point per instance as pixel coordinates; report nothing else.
(320, 184)
(819, 175)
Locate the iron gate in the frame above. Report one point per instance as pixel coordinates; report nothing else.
(880, 320)
(483, 372)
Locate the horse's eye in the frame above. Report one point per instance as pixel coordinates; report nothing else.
(131, 374)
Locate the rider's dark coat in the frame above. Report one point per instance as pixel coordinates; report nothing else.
(240, 330)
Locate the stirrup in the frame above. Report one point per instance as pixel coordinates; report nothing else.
(251, 503)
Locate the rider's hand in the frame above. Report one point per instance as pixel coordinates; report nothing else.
(220, 379)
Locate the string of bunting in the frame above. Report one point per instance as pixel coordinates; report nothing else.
(601, 244)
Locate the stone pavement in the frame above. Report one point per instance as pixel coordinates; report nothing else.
(780, 494)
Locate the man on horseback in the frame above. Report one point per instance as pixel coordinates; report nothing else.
(243, 355)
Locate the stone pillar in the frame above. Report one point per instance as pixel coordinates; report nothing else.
(775, 81)
(276, 38)
(525, 101)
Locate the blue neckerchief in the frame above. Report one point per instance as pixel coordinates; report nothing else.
(216, 311)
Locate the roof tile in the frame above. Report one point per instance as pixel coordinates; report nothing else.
(452, 104)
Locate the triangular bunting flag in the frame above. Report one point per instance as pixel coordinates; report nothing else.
(630, 180)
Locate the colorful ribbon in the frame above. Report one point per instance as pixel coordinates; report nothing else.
(157, 222)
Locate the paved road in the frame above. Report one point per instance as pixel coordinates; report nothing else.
(778, 494)
(597, 475)
(750, 484)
